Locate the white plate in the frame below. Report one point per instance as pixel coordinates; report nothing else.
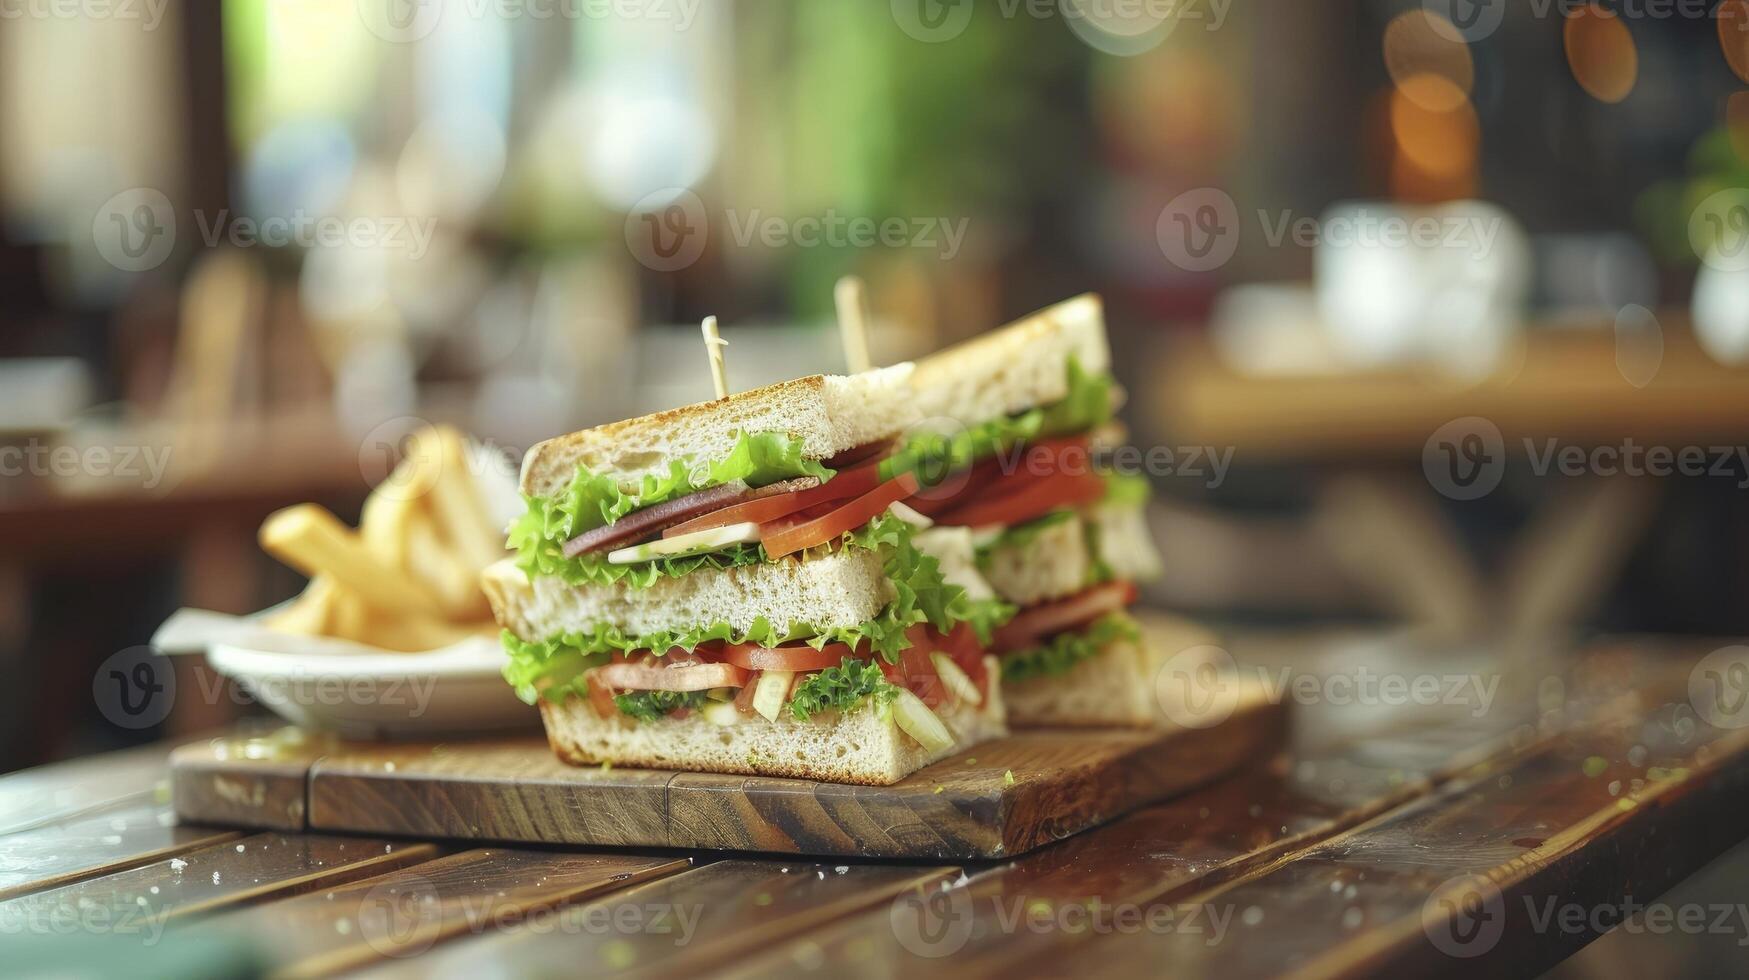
(360, 692)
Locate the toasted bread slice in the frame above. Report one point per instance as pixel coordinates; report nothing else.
(845, 588)
(856, 746)
(828, 414)
(1014, 368)
(1119, 686)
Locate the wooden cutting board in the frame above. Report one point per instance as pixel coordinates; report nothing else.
(962, 808)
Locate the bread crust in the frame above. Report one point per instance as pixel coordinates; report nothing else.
(1014, 368)
(828, 414)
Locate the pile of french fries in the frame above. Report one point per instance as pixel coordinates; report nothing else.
(408, 578)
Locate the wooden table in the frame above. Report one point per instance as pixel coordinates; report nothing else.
(1436, 803)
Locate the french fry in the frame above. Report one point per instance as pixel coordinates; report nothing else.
(445, 573)
(314, 542)
(416, 634)
(351, 619)
(310, 613)
(383, 523)
(455, 500)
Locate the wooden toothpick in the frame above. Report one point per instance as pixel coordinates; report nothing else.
(853, 322)
(713, 345)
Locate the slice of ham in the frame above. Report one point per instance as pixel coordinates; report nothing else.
(691, 677)
(641, 524)
(1036, 623)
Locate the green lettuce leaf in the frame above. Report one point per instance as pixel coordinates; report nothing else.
(986, 615)
(593, 500)
(1063, 651)
(553, 668)
(841, 688)
(934, 456)
(1125, 489)
(651, 705)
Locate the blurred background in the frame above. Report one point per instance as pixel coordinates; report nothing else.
(1429, 313)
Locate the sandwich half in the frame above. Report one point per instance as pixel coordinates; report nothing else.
(1008, 446)
(734, 587)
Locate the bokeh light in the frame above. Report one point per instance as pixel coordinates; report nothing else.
(1440, 142)
(1419, 45)
(1733, 20)
(1601, 53)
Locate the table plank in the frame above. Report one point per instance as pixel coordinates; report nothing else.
(142, 901)
(1455, 881)
(121, 838)
(404, 913)
(686, 924)
(63, 791)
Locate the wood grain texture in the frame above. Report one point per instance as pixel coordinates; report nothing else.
(143, 900)
(1347, 766)
(408, 912)
(116, 840)
(965, 807)
(688, 924)
(1194, 842)
(270, 793)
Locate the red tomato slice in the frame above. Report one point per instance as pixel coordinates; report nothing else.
(1048, 619)
(788, 538)
(696, 677)
(1034, 498)
(763, 510)
(793, 656)
(600, 697)
(957, 489)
